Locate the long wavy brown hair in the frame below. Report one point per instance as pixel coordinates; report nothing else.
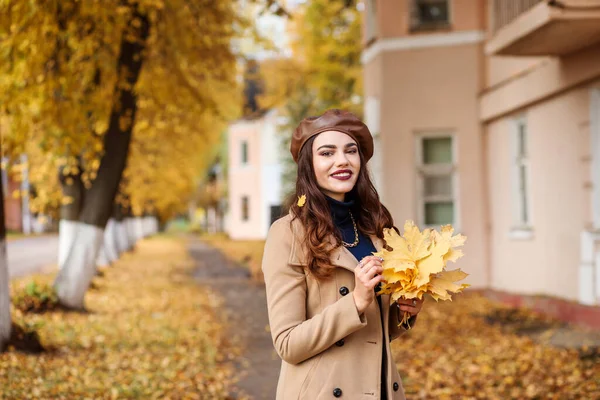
(315, 215)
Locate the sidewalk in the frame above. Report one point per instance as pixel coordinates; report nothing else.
(30, 255)
(245, 309)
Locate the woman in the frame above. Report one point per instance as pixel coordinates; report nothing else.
(328, 326)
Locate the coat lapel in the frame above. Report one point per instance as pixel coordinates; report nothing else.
(340, 256)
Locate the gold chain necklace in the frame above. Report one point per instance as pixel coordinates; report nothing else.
(355, 243)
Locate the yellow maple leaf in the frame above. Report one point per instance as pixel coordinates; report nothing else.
(416, 263)
(433, 263)
(301, 200)
(406, 250)
(443, 284)
(455, 241)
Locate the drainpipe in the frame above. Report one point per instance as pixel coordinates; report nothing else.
(598, 276)
(589, 268)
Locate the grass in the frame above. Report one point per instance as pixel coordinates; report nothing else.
(245, 252)
(149, 333)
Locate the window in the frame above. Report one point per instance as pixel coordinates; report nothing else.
(244, 152)
(520, 165)
(436, 180)
(276, 213)
(245, 208)
(430, 14)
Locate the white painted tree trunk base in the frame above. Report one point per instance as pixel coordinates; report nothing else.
(66, 236)
(121, 237)
(145, 230)
(139, 228)
(5, 320)
(74, 278)
(110, 241)
(102, 259)
(130, 227)
(148, 226)
(153, 225)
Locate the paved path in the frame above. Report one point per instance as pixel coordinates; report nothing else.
(30, 255)
(246, 312)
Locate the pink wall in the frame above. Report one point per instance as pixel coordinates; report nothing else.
(430, 90)
(559, 156)
(539, 82)
(244, 180)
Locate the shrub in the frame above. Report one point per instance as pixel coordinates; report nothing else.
(36, 298)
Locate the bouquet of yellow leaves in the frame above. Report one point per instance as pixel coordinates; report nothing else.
(417, 263)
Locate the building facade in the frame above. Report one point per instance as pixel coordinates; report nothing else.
(487, 116)
(254, 176)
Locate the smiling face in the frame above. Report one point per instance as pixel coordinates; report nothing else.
(336, 163)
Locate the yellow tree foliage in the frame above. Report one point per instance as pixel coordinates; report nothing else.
(58, 75)
(323, 72)
(282, 79)
(187, 93)
(416, 265)
(327, 42)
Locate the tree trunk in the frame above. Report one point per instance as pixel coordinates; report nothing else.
(150, 226)
(72, 187)
(79, 266)
(121, 243)
(102, 259)
(139, 228)
(5, 319)
(110, 241)
(130, 229)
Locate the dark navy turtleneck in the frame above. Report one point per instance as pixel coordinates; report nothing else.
(340, 212)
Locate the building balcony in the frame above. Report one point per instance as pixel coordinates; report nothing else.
(547, 28)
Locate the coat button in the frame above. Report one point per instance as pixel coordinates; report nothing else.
(396, 386)
(337, 392)
(339, 343)
(344, 290)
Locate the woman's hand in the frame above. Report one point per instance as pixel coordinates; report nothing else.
(412, 306)
(367, 275)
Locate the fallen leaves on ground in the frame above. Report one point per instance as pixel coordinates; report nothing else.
(245, 252)
(453, 352)
(150, 333)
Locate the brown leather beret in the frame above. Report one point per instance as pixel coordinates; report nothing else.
(333, 120)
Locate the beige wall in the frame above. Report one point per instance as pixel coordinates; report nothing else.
(431, 90)
(441, 80)
(560, 195)
(538, 83)
(502, 69)
(244, 180)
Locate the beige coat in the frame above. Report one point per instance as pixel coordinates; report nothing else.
(327, 349)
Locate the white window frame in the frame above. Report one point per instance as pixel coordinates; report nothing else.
(595, 143)
(423, 170)
(521, 229)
